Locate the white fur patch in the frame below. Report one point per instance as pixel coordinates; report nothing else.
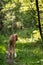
(15, 55)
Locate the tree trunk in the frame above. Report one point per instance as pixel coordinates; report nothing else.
(37, 7)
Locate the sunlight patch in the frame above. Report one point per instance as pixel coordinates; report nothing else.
(2, 48)
(22, 40)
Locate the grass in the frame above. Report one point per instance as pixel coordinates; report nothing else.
(29, 52)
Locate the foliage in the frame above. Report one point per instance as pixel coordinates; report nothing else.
(14, 11)
(29, 47)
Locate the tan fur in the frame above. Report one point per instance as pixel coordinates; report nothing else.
(11, 46)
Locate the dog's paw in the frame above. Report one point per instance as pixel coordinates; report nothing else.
(15, 55)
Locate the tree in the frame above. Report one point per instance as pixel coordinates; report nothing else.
(39, 19)
(1, 15)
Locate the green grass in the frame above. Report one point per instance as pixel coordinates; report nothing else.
(28, 52)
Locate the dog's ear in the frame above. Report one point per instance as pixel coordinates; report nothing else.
(13, 38)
